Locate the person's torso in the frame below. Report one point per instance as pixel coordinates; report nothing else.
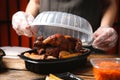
(89, 9)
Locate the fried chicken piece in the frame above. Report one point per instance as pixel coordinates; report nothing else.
(54, 40)
(34, 56)
(38, 44)
(52, 51)
(66, 54)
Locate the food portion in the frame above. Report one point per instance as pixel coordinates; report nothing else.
(107, 70)
(52, 77)
(56, 46)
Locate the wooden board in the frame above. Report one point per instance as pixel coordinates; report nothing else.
(14, 63)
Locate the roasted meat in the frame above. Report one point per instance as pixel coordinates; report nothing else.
(56, 43)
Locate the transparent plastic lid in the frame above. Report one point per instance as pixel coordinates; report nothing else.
(52, 22)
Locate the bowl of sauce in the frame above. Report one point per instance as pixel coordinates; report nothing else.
(106, 68)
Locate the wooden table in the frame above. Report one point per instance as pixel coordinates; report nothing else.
(15, 69)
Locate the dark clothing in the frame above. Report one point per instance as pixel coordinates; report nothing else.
(92, 10)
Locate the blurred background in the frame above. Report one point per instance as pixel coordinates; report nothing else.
(8, 36)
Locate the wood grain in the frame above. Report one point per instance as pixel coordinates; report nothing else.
(15, 69)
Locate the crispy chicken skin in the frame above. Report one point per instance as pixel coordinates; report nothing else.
(54, 40)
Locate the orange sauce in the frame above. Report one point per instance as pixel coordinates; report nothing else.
(107, 71)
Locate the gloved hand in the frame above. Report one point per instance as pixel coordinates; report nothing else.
(21, 24)
(104, 38)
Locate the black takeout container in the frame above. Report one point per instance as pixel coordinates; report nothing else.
(2, 53)
(54, 65)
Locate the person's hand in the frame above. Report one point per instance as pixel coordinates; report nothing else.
(104, 38)
(21, 24)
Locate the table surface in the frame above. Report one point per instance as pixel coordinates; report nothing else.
(15, 69)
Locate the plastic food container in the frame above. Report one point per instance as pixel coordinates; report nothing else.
(51, 22)
(54, 65)
(106, 68)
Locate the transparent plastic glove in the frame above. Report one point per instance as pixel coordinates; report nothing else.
(21, 24)
(104, 38)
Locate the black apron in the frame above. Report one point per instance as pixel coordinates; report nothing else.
(92, 10)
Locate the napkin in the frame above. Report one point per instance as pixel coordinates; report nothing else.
(13, 51)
